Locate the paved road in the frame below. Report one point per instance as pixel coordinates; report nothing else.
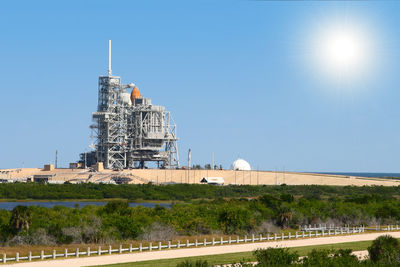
(202, 251)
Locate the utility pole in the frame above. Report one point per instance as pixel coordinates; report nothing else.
(189, 162)
(56, 159)
(212, 159)
(250, 176)
(284, 176)
(257, 175)
(235, 177)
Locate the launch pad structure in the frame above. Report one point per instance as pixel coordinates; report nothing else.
(129, 130)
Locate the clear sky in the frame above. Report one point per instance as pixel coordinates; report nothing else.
(240, 78)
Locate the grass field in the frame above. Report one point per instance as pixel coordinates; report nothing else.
(242, 256)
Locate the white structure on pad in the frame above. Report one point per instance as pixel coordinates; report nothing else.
(241, 165)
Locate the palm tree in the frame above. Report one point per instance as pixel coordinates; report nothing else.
(284, 216)
(21, 218)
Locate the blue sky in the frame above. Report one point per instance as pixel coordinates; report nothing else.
(236, 76)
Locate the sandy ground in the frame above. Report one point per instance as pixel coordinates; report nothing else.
(195, 176)
(203, 251)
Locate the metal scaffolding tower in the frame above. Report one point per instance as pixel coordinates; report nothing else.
(129, 130)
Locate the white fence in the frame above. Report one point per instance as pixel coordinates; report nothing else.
(187, 244)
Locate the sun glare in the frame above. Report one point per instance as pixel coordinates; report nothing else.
(342, 51)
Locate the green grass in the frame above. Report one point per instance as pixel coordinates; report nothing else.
(237, 257)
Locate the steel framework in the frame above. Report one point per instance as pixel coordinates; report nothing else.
(131, 131)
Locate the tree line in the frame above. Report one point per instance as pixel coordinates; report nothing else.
(116, 221)
(182, 192)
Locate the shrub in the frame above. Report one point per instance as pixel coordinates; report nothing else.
(158, 231)
(198, 263)
(275, 257)
(385, 249)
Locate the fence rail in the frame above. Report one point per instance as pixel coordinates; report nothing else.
(170, 245)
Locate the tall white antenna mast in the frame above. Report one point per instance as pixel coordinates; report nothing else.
(109, 57)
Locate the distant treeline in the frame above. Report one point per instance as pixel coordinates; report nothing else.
(182, 192)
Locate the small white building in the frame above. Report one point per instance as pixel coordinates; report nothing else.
(213, 180)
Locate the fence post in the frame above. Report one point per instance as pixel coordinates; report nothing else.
(297, 235)
(169, 244)
(267, 236)
(54, 254)
(77, 252)
(275, 236)
(213, 241)
(196, 243)
(120, 248)
(150, 246)
(130, 247)
(179, 244)
(283, 236)
(140, 247)
(261, 237)
(323, 232)
(17, 256)
(205, 242)
(109, 249)
(302, 234)
(252, 238)
(42, 255)
(222, 241)
(4, 258)
(66, 253)
(237, 239)
(230, 240)
(30, 256)
(290, 235)
(245, 239)
(159, 245)
(99, 252)
(187, 243)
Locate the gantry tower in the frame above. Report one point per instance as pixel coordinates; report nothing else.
(129, 130)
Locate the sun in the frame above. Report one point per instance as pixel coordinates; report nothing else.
(342, 51)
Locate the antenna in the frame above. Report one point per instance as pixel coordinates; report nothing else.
(109, 57)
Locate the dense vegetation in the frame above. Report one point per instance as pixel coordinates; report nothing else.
(183, 192)
(267, 213)
(384, 251)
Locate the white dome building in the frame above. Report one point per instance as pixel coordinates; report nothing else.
(241, 165)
